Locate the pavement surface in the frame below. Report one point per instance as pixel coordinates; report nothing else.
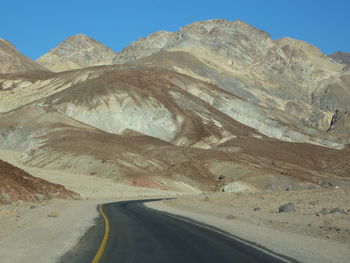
(139, 234)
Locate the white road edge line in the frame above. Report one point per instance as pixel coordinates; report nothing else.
(220, 232)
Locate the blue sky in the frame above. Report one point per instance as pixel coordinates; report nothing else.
(36, 26)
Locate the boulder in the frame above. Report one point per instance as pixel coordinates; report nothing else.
(39, 197)
(290, 207)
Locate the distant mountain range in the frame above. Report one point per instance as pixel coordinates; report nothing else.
(216, 105)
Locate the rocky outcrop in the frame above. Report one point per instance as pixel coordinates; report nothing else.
(340, 123)
(75, 52)
(341, 57)
(12, 61)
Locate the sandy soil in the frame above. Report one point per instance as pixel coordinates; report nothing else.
(305, 235)
(43, 232)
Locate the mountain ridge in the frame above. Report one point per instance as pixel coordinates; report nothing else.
(216, 99)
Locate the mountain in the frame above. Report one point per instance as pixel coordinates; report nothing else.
(341, 57)
(12, 61)
(216, 105)
(139, 123)
(75, 52)
(16, 184)
(287, 76)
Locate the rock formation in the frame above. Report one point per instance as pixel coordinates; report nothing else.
(341, 57)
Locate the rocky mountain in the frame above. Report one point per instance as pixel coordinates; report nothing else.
(216, 105)
(240, 48)
(167, 127)
(16, 184)
(286, 75)
(341, 57)
(75, 52)
(12, 61)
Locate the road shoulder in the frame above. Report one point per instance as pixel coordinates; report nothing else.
(44, 232)
(296, 246)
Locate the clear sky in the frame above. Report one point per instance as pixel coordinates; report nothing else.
(36, 26)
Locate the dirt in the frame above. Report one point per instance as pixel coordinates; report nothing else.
(146, 182)
(42, 232)
(262, 209)
(16, 184)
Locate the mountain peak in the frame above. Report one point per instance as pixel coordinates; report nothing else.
(75, 52)
(81, 37)
(229, 27)
(217, 35)
(12, 61)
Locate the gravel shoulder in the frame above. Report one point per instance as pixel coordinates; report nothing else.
(301, 235)
(43, 232)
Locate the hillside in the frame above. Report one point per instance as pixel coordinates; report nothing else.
(217, 105)
(285, 75)
(16, 184)
(158, 127)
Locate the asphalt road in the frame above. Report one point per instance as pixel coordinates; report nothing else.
(139, 234)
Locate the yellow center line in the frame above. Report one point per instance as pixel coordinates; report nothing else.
(105, 238)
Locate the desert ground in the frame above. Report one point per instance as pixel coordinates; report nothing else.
(44, 231)
(313, 233)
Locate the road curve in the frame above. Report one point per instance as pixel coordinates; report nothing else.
(139, 234)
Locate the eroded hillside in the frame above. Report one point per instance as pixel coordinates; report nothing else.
(217, 105)
(16, 184)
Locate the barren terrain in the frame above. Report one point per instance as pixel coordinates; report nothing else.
(42, 231)
(218, 112)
